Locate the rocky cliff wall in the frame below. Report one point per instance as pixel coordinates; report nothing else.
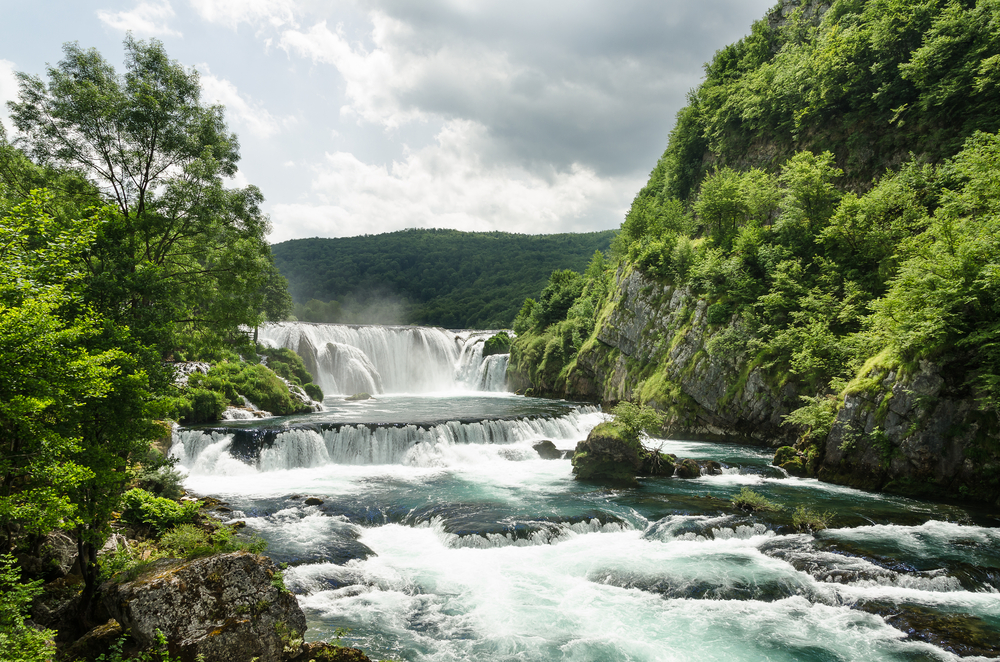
(916, 431)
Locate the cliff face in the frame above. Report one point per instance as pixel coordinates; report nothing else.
(911, 432)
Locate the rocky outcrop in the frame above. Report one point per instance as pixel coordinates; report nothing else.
(607, 456)
(908, 431)
(229, 607)
(913, 433)
(655, 345)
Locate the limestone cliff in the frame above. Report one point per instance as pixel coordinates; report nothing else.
(902, 430)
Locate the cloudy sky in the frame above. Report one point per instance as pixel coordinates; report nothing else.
(361, 117)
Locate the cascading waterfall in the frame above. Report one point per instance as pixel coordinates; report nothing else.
(208, 452)
(349, 359)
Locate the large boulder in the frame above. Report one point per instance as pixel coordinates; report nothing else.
(226, 608)
(687, 468)
(605, 455)
(547, 450)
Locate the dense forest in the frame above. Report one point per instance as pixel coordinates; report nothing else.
(472, 280)
(831, 193)
(120, 251)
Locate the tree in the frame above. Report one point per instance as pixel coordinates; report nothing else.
(183, 253)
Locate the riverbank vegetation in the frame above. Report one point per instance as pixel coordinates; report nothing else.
(121, 249)
(830, 193)
(447, 278)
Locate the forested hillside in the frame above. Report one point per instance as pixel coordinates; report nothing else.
(815, 256)
(448, 278)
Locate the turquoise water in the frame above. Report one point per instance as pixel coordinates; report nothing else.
(440, 541)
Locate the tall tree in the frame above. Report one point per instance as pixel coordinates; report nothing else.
(183, 253)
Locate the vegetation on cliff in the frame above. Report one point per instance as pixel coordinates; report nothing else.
(830, 198)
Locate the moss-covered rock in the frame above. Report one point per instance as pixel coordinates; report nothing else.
(687, 468)
(791, 461)
(498, 344)
(606, 455)
(358, 396)
(227, 608)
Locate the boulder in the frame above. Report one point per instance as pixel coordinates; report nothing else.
(791, 461)
(359, 396)
(655, 463)
(226, 608)
(606, 456)
(547, 450)
(710, 467)
(95, 642)
(687, 468)
(313, 501)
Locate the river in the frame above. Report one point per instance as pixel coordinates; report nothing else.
(435, 532)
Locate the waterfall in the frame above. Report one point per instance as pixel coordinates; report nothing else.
(348, 359)
(214, 452)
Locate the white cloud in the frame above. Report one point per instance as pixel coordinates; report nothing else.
(147, 18)
(447, 184)
(378, 81)
(240, 108)
(8, 92)
(231, 13)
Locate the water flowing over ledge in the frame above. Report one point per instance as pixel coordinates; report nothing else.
(237, 451)
(347, 359)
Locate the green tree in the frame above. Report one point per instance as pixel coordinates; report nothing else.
(183, 252)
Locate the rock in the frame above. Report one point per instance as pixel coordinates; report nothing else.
(605, 455)
(227, 608)
(656, 463)
(547, 450)
(359, 396)
(313, 501)
(319, 651)
(710, 467)
(115, 543)
(791, 461)
(96, 642)
(687, 468)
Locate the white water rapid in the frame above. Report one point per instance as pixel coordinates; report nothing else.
(347, 359)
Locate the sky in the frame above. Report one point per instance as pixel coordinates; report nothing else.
(362, 117)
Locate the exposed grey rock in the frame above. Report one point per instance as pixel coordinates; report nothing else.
(227, 608)
(547, 450)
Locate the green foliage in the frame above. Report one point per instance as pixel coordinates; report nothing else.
(804, 519)
(160, 654)
(750, 501)
(497, 344)
(815, 417)
(158, 513)
(632, 420)
(445, 278)
(20, 642)
(190, 541)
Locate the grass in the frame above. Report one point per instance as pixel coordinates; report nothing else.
(750, 501)
(805, 519)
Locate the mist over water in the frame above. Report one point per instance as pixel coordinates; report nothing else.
(443, 536)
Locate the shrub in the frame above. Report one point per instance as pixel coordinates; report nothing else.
(20, 642)
(750, 501)
(314, 392)
(498, 344)
(632, 420)
(189, 541)
(141, 507)
(203, 406)
(805, 519)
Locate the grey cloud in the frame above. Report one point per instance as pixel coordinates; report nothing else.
(594, 83)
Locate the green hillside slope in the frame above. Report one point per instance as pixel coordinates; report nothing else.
(437, 277)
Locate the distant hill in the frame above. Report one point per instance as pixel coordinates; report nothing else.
(436, 277)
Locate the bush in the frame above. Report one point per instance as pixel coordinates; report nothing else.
(314, 392)
(203, 406)
(20, 642)
(189, 541)
(632, 420)
(750, 501)
(141, 507)
(498, 344)
(805, 519)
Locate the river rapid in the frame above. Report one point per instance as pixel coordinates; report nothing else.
(434, 531)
